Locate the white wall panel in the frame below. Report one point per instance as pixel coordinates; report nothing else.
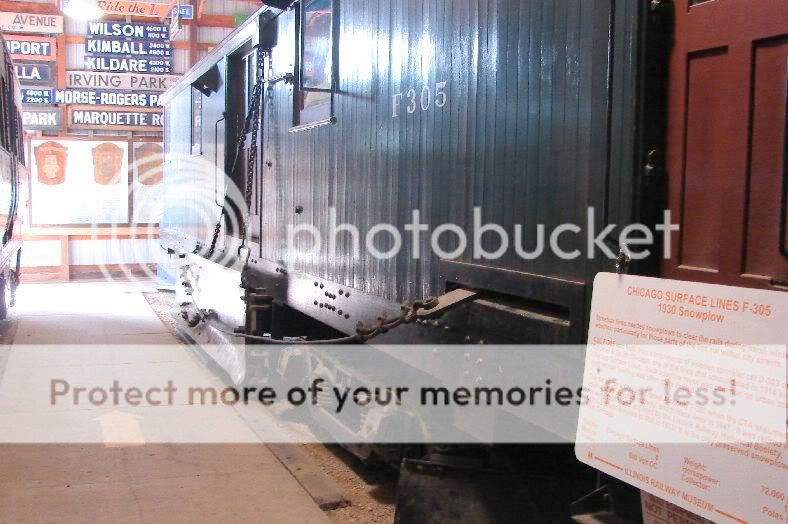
(38, 253)
(113, 251)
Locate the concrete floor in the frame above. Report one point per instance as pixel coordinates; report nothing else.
(116, 482)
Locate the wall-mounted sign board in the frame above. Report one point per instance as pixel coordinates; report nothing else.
(30, 23)
(42, 119)
(115, 118)
(124, 81)
(107, 46)
(32, 73)
(132, 8)
(37, 96)
(128, 30)
(129, 65)
(79, 182)
(186, 12)
(105, 98)
(26, 47)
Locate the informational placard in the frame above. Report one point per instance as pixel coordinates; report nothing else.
(124, 64)
(147, 183)
(116, 118)
(132, 30)
(108, 46)
(37, 96)
(35, 73)
(30, 23)
(79, 182)
(715, 356)
(42, 119)
(26, 47)
(105, 98)
(121, 81)
(659, 511)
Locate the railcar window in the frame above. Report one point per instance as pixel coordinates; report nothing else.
(314, 98)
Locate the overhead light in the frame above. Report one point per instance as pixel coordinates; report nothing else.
(82, 9)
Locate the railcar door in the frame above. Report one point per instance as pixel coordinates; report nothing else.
(726, 143)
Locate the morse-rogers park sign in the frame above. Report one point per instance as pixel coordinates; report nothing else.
(124, 81)
(118, 119)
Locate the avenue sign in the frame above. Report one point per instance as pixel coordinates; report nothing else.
(31, 23)
(124, 81)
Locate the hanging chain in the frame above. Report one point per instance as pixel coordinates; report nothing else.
(252, 121)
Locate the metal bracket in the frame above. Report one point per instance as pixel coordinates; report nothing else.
(447, 302)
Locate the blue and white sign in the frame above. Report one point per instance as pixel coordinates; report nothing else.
(107, 46)
(30, 73)
(138, 31)
(129, 65)
(105, 98)
(36, 96)
(186, 12)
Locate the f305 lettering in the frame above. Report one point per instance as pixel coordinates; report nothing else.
(414, 99)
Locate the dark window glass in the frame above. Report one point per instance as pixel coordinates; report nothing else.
(313, 102)
(317, 55)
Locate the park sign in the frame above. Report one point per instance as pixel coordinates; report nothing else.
(38, 74)
(26, 47)
(105, 98)
(42, 119)
(30, 23)
(122, 81)
(122, 64)
(107, 46)
(136, 31)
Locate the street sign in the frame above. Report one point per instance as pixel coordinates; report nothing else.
(105, 98)
(37, 96)
(137, 31)
(39, 74)
(123, 81)
(115, 119)
(42, 119)
(129, 65)
(106, 46)
(30, 23)
(27, 47)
